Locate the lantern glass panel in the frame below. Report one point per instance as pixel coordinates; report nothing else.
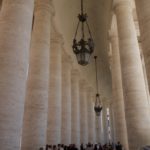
(83, 58)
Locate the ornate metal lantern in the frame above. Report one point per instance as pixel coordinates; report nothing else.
(98, 106)
(85, 46)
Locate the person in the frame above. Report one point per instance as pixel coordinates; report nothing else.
(48, 147)
(110, 147)
(105, 146)
(100, 147)
(58, 146)
(62, 147)
(95, 147)
(118, 146)
(54, 147)
(81, 147)
(89, 146)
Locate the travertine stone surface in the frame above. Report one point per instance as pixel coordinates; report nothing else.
(94, 125)
(118, 99)
(83, 112)
(143, 11)
(90, 111)
(75, 107)
(98, 129)
(54, 112)
(135, 98)
(36, 104)
(112, 127)
(101, 128)
(15, 32)
(104, 122)
(66, 99)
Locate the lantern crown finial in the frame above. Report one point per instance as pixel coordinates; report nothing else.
(84, 47)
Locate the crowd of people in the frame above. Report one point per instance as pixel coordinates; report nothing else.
(88, 146)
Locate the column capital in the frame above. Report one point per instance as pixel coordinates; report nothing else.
(90, 89)
(105, 101)
(83, 83)
(66, 58)
(122, 3)
(45, 5)
(75, 72)
(56, 36)
(112, 34)
(91, 93)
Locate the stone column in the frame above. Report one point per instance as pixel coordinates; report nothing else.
(54, 111)
(112, 130)
(94, 119)
(135, 98)
(104, 121)
(102, 135)
(15, 32)
(66, 99)
(118, 99)
(90, 110)
(98, 129)
(83, 113)
(145, 75)
(75, 109)
(143, 12)
(114, 125)
(36, 104)
(94, 125)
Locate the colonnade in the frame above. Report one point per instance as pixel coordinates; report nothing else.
(43, 100)
(143, 11)
(130, 100)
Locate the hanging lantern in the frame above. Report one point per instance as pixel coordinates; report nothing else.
(98, 106)
(84, 47)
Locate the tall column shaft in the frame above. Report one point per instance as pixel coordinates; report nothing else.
(118, 99)
(75, 109)
(90, 111)
(94, 125)
(104, 123)
(102, 135)
(66, 100)
(54, 112)
(143, 12)
(94, 120)
(114, 124)
(135, 98)
(98, 129)
(83, 113)
(15, 31)
(112, 130)
(36, 110)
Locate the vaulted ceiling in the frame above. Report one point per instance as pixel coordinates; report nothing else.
(100, 14)
(99, 17)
